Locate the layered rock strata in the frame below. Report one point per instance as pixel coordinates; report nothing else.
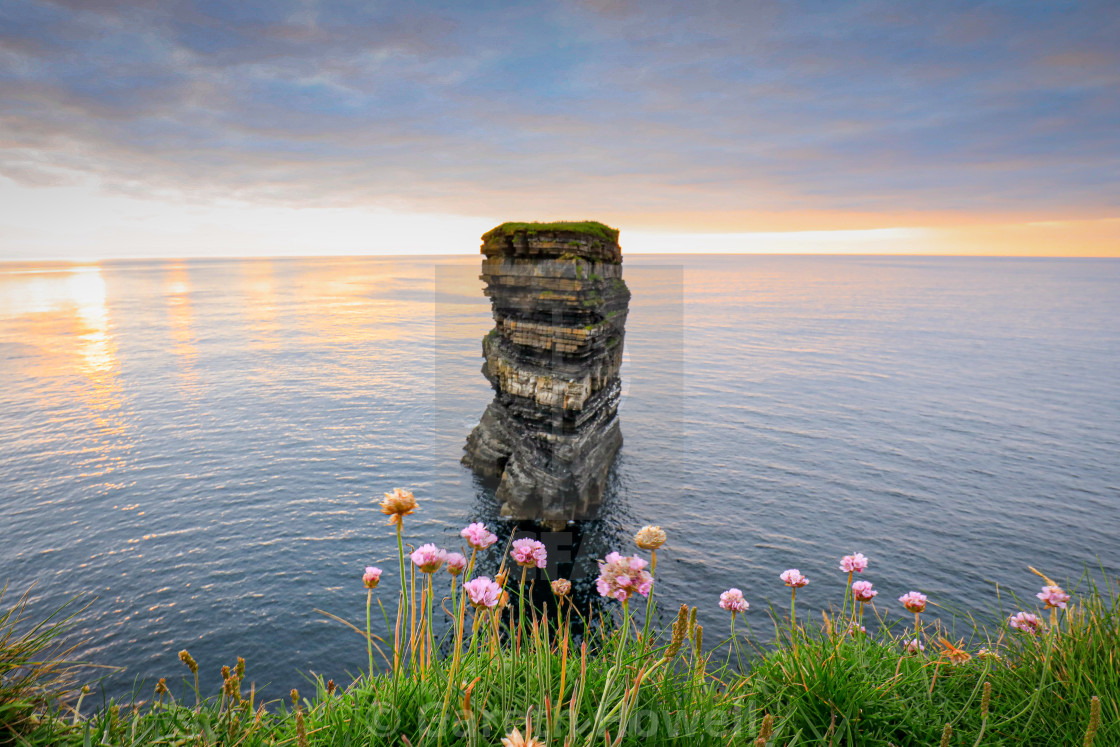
(560, 304)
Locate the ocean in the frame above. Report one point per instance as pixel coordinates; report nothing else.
(197, 447)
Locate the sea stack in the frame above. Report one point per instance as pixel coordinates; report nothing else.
(551, 433)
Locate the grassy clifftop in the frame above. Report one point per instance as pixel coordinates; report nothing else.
(590, 227)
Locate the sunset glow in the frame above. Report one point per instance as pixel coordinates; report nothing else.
(329, 128)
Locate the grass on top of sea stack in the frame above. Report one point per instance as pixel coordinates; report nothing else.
(591, 227)
(505, 674)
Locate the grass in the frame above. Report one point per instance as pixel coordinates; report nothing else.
(509, 666)
(590, 227)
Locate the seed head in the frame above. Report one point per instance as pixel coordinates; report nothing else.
(650, 538)
(294, 695)
(766, 731)
(398, 504)
(985, 699)
(561, 587)
(240, 668)
(946, 734)
(1094, 721)
(187, 659)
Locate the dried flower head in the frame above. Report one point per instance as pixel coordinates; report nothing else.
(514, 739)
(372, 577)
(428, 558)
(913, 601)
(650, 538)
(914, 646)
(398, 504)
(561, 587)
(161, 686)
(478, 536)
(862, 591)
(1025, 622)
(482, 592)
(456, 563)
(294, 695)
(855, 563)
(330, 687)
(793, 578)
(528, 553)
(502, 576)
(1053, 597)
(954, 652)
(187, 659)
(986, 653)
(732, 601)
(621, 577)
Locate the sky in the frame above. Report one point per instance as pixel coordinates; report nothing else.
(171, 129)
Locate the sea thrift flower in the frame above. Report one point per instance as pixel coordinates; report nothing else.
(478, 536)
(428, 558)
(985, 653)
(650, 538)
(913, 601)
(793, 578)
(372, 577)
(398, 504)
(561, 587)
(853, 563)
(862, 591)
(732, 601)
(528, 553)
(482, 592)
(853, 629)
(621, 577)
(1025, 622)
(455, 563)
(914, 646)
(1054, 597)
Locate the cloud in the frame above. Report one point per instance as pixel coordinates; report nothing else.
(610, 108)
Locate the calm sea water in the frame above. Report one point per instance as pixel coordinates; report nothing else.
(198, 445)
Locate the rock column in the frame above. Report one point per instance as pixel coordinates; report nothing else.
(559, 302)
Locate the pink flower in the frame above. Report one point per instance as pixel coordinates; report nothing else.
(428, 558)
(621, 577)
(483, 592)
(1026, 622)
(914, 646)
(528, 553)
(853, 563)
(478, 536)
(853, 629)
(372, 577)
(732, 601)
(793, 578)
(862, 591)
(455, 563)
(1053, 596)
(913, 601)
